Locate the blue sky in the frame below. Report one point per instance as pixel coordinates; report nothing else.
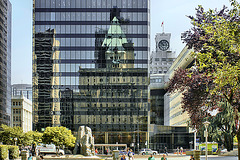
(172, 12)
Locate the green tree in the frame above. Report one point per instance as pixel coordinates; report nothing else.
(223, 127)
(32, 138)
(59, 136)
(9, 134)
(215, 38)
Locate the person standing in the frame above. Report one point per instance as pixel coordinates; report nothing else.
(181, 150)
(123, 157)
(164, 157)
(151, 157)
(177, 150)
(165, 150)
(130, 154)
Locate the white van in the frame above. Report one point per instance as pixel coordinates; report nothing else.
(48, 149)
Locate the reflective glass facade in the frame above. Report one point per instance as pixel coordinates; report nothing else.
(90, 67)
(5, 61)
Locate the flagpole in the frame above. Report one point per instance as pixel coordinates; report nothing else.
(162, 25)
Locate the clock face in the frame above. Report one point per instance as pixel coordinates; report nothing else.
(163, 45)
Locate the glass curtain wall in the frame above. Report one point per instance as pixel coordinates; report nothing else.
(96, 70)
(5, 62)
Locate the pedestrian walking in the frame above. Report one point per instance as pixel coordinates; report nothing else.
(30, 157)
(181, 150)
(164, 157)
(130, 154)
(151, 157)
(165, 150)
(177, 150)
(192, 158)
(123, 157)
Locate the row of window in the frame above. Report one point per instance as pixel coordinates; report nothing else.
(154, 64)
(16, 118)
(113, 80)
(165, 59)
(16, 103)
(138, 42)
(157, 80)
(156, 72)
(91, 3)
(16, 111)
(75, 68)
(90, 29)
(85, 55)
(88, 16)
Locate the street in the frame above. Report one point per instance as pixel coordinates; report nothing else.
(221, 158)
(188, 157)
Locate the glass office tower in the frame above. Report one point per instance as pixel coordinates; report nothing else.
(5, 61)
(90, 67)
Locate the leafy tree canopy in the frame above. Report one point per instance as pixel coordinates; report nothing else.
(215, 38)
(59, 136)
(8, 134)
(32, 137)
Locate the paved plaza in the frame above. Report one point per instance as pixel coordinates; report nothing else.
(202, 158)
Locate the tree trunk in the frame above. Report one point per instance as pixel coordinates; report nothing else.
(238, 138)
(228, 141)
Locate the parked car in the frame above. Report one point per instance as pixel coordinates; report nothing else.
(146, 151)
(48, 149)
(224, 151)
(122, 152)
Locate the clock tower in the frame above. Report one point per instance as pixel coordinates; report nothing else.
(162, 58)
(162, 41)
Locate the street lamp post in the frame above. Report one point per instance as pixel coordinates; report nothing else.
(206, 124)
(195, 139)
(15, 139)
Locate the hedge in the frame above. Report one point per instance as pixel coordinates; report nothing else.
(3, 152)
(13, 152)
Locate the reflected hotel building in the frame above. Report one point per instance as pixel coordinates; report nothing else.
(90, 67)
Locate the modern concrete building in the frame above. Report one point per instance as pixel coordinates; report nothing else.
(100, 78)
(5, 61)
(172, 106)
(21, 113)
(22, 89)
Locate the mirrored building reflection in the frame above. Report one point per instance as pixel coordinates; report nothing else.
(90, 67)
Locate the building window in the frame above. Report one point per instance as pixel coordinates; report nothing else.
(156, 59)
(13, 103)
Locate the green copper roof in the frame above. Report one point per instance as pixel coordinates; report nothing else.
(115, 38)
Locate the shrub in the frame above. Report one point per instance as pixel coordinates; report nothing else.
(3, 152)
(13, 152)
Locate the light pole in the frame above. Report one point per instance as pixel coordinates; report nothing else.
(206, 124)
(15, 139)
(195, 139)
